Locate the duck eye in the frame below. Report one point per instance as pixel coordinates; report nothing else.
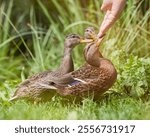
(87, 30)
(52, 83)
(73, 36)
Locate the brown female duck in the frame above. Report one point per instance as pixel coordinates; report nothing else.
(39, 87)
(96, 76)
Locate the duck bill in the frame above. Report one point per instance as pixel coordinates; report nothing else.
(52, 87)
(47, 86)
(82, 40)
(93, 36)
(13, 98)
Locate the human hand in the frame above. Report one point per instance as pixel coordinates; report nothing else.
(113, 9)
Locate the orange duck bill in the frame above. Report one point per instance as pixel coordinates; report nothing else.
(83, 40)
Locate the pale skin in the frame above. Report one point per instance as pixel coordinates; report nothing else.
(112, 9)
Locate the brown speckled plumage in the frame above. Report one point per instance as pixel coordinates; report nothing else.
(97, 79)
(98, 74)
(40, 87)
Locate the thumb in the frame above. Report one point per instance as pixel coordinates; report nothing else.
(104, 7)
(107, 4)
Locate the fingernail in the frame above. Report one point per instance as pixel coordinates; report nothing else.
(103, 6)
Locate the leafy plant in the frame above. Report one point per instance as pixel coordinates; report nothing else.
(134, 77)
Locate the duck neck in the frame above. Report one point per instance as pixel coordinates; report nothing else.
(92, 55)
(66, 65)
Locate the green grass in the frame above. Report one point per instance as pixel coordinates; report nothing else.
(108, 108)
(32, 41)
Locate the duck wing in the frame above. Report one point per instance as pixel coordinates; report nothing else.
(34, 77)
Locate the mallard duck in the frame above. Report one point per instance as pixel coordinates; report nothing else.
(96, 76)
(40, 87)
